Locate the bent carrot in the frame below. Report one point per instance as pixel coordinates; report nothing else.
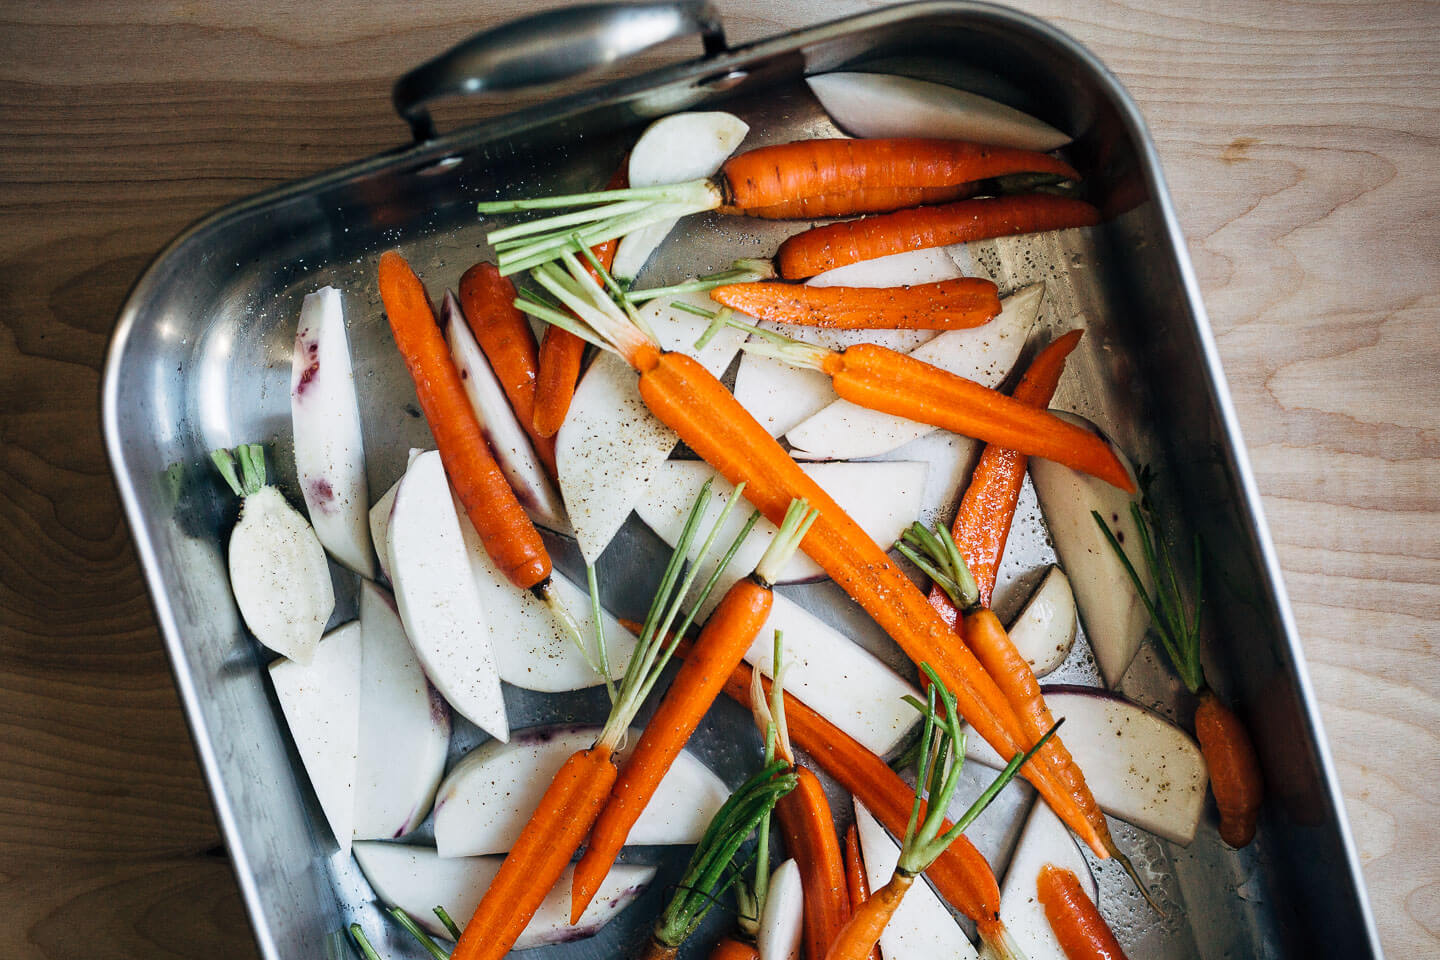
(855, 877)
(838, 244)
(859, 937)
(1234, 768)
(510, 538)
(1082, 932)
(943, 305)
(864, 200)
(808, 830)
(509, 344)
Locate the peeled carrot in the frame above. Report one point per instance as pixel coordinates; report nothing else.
(855, 877)
(729, 948)
(857, 940)
(865, 200)
(509, 536)
(1234, 769)
(837, 244)
(943, 305)
(1082, 932)
(808, 830)
(509, 344)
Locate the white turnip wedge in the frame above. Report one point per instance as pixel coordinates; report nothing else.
(417, 880)
(321, 703)
(329, 449)
(673, 149)
(438, 600)
(985, 354)
(782, 922)
(922, 927)
(1044, 631)
(1142, 768)
(380, 527)
(1114, 616)
(404, 726)
(1045, 839)
(488, 796)
(884, 105)
(503, 433)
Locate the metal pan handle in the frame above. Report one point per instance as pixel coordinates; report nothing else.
(548, 47)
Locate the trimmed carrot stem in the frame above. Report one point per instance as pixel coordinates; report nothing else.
(855, 877)
(1234, 769)
(1082, 932)
(943, 305)
(808, 830)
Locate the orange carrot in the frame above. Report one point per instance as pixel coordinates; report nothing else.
(808, 830)
(858, 938)
(855, 877)
(943, 305)
(837, 244)
(1082, 932)
(732, 948)
(1234, 769)
(509, 536)
(508, 343)
(865, 200)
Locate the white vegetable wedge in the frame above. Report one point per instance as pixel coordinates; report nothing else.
(1114, 616)
(329, 449)
(404, 726)
(922, 927)
(778, 395)
(1045, 839)
(1142, 768)
(506, 438)
(837, 678)
(673, 149)
(438, 601)
(489, 795)
(1044, 631)
(986, 354)
(782, 921)
(416, 880)
(380, 527)
(321, 703)
(930, 265)
(883, 105)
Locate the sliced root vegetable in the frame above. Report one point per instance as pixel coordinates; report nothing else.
(782, 923)
(487, 797)
(1112, 612)
(931, 265)
(417, 880)
(380, 527)
(329, 448)
(884, 105)
(404, 726)
(922, 927)
(513, 449)
(1142, 768)
(439, 603)
(1044, 631)
(1043, 840)
(986, 355)
(949, 459)
(673, 149)
(778, 395)
(321, 703)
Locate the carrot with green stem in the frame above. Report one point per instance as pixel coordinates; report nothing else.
(937, 775)
(1083, 934)
(581, 787)
(942, 305)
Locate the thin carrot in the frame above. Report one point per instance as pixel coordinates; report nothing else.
(508, 343)
(509, 536)
(1082, 932)
(860, 936)
(838, 244)
(855, 877)
(733, 948)
(872, 200)
(1234, 769)
(808, 830)
(942, 305)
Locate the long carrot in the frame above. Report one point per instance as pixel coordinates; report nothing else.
(808, 830)
(837, 244)
(1082, 932)
(942, 305)
(855, 877)
(865, 200)
(509, 344)
(1234, 769)
(509, 536)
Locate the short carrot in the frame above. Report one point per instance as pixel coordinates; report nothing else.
(838, 244)
(855, 877)
(942, 305)
(1082, 932)
(874, 200)
(1234, 768)
(807, 828)
(733, 948)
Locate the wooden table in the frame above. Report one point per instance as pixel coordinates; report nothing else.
(1300, 142)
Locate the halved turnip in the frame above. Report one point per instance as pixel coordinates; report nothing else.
(674, 149)
(417, 880)
(1045, 839)
(1141, 768)
(985, 354)
(1114, 616)
(278, 570)
(321, 704)
(782, 921)
(885, 105)
(506, 438)
(488, 796)
(380, 527)
(922, 927)
(329, 448)
(404, 726)
(439, 603)
(1044, 631)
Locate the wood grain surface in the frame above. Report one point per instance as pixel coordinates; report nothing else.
(1300, 140)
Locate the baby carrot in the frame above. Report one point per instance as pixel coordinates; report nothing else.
(855, 877)
(864, 200)
(1082, 932)
(942, 305)
(1234, 769)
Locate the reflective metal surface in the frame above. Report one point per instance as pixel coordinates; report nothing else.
(201, 358)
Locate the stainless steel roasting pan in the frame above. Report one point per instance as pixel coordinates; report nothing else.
(201, 356)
